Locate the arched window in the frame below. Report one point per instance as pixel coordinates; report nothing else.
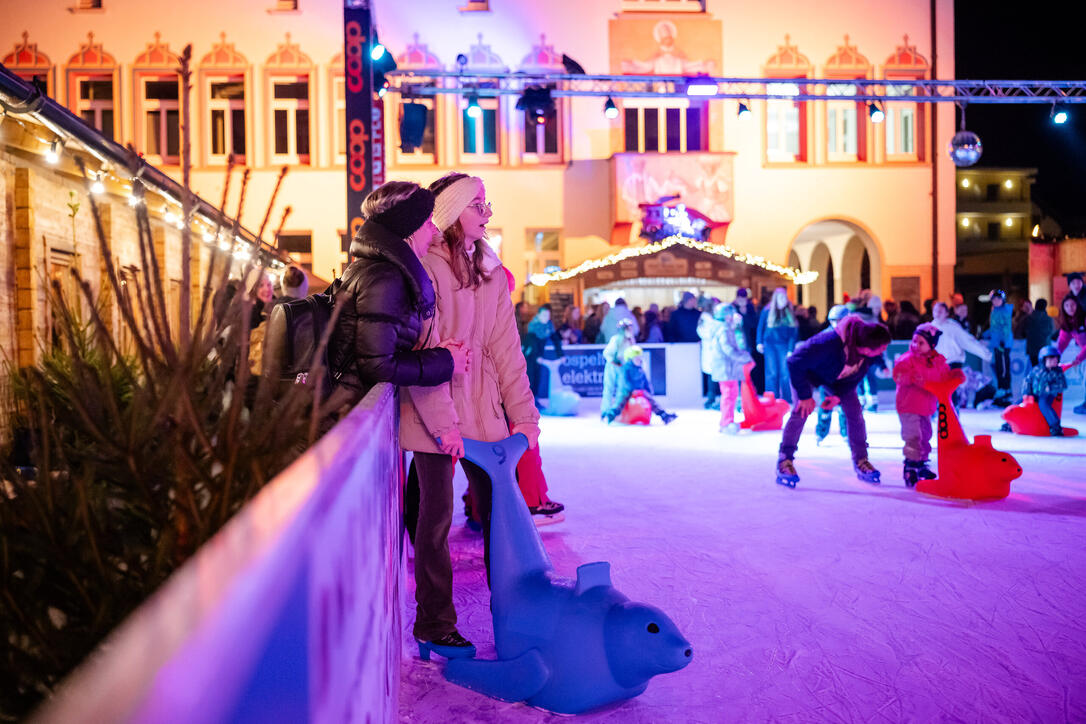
(30, 64)
(418, 58)
(904, 125)
(224, 90)
(785, 120)
(846, 120)
(93, 84)
(158, 102)
(289, 86)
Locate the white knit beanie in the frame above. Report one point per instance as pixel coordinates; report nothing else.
(452, 200)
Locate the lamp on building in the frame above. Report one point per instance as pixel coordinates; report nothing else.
(98, 187)
(412, 126)
(1008, 184)
(743, 110)
(610, 109)
(875, 113)
(53, 154)
(474, 109)
(1008, 221)
(965, 223)
(965, 183)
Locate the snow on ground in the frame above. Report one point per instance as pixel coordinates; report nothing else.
(836, 601)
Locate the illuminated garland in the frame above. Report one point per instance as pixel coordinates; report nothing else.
(792, 274)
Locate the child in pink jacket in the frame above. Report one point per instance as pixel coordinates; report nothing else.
(915, 404)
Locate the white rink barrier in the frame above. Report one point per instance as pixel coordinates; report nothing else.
(290, 613)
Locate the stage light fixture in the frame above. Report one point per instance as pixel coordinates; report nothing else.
(1059, 115)
(537, 101)
(610, 109)
(700, 87)
(875, 113)
(412, 126)
(378, 51)
(474, 109)
(743, 111)
(572, 67)
(383, 63)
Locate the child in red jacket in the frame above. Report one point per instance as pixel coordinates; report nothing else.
(916, 405)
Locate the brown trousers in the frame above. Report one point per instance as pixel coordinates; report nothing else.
(435, 614)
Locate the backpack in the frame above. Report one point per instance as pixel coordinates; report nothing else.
(293, 337)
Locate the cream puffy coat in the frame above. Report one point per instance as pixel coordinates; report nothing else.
(496, 385)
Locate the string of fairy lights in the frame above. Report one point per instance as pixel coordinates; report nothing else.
(794, 275)
(138, 193)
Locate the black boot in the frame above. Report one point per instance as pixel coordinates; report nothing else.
(912, 477)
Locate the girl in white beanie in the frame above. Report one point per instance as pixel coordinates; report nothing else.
(473, 305)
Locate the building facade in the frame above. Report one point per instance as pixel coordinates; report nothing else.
(995, 224)
(815, 185)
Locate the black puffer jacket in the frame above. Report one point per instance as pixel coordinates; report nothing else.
(388, 296)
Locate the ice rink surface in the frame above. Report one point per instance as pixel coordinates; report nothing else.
(837, 601)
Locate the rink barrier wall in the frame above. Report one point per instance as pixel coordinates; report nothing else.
(290, 613)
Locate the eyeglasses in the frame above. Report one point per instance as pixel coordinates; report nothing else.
(481, 206)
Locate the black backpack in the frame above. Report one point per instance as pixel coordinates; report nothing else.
(293, 338)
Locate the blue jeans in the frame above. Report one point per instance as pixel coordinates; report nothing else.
(854, 418)
(776, 371)
(1044, 404)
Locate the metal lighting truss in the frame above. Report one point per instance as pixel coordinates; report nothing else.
(433, 82)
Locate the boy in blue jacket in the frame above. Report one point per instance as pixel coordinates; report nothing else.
(837, 359)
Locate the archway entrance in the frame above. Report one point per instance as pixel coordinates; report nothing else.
(845, 256)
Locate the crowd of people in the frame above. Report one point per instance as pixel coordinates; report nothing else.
(425, 304)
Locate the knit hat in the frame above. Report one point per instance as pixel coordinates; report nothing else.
(686, 296)
(724, 311)
(632, 352)
(453, 199)
(1073, 276)
(929, 332)
(837, 313)
(1049, 350)
(406, 217)
(741, 292)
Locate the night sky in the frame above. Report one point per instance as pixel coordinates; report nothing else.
(1036, 41)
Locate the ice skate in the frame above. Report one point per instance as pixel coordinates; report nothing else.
(548, 513)
(917, 470)
(668, 417)
(866, 472)
(730, 429)
(786, 473)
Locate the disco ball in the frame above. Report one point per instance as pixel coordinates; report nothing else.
(965, 148)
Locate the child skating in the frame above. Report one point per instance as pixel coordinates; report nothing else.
(1045, 383)
(915, 404)
(726, 359)
(631, 379)
(837, 359)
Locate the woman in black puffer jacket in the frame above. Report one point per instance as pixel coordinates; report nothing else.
(390, 298)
